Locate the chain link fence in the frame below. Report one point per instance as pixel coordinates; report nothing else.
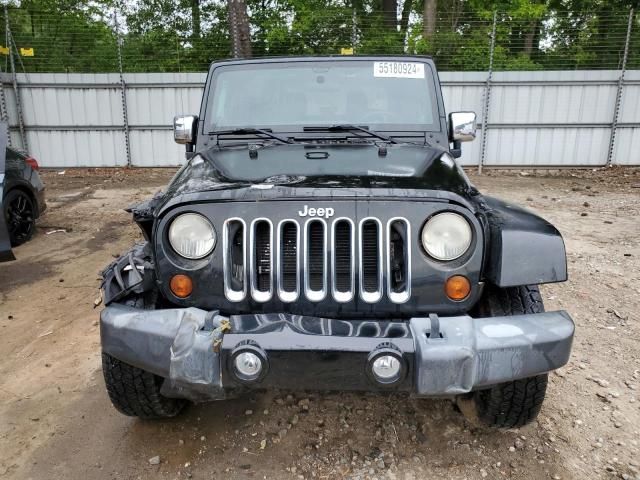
(110, 76)
(175, 38)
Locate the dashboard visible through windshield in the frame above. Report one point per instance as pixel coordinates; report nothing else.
(381, 95)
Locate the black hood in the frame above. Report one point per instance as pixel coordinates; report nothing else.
(285, 171)
(362, 165)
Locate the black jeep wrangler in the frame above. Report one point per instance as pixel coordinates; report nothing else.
(322, 236)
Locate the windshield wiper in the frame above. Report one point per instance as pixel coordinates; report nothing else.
(349, 128)
(250, 131)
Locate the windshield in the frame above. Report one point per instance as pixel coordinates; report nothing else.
(382, 95)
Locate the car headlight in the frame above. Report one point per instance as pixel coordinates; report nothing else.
(192, 236)
(446, 236)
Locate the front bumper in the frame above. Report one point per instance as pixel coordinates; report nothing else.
(442, 356)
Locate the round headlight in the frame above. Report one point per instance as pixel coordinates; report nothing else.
(192, 236)
(446, 236)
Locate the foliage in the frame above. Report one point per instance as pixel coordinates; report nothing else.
(186, 35)
(61, 33)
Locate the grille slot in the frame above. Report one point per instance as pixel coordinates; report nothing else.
(399, 260)
(263, 256)
(316, 260)
(261, 261)
(342, 262)
(236, 236)
(234, 259)
(370, 260)
(288, 245)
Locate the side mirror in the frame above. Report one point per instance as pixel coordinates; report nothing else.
(184, 129)
(462, 126)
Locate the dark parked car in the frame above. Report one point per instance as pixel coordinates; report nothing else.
(323, 236)
(22, 197)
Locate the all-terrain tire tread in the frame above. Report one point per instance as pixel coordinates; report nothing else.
(136, 392)
(512, 301)
(512, 404)
(516, 403)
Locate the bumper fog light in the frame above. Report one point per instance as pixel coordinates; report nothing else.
(248, 364)
(386, 367)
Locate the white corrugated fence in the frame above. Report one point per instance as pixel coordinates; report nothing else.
(535, 119)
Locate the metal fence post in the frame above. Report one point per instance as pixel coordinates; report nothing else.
(487, 95)
(616, 109)
(4, 113)
(123, 90)
(354, 30)
(14, 78)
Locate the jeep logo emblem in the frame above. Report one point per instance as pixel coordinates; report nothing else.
(316, 212)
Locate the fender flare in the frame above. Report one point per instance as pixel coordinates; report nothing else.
(523, 248)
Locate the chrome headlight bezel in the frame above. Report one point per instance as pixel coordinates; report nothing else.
(459, 227)
(197, 221)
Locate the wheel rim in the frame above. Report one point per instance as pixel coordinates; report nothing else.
(19, 217)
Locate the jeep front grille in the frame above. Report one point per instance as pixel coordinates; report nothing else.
(317, 259)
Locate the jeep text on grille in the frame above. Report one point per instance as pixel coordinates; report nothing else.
(316, 212)
(322, 236)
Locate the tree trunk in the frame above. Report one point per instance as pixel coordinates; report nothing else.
(390, 13)
(33, 30)
(529, 38)
(239, 29)
(404, 20)
(456, 11)
(195, 18)
(429, 21)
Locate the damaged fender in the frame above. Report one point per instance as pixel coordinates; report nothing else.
(142, 339)
(132, 273)
(523, 249)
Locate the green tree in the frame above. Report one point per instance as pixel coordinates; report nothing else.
(170, 36)
(66, 36)
(186, 35)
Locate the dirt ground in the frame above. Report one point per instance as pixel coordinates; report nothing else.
(56, 421)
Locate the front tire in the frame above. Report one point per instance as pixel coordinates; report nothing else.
(19, 215)
(516, 403)
(136, 392)
(511, 404)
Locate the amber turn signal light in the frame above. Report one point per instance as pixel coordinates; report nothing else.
(457, 287)
(181, 286)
